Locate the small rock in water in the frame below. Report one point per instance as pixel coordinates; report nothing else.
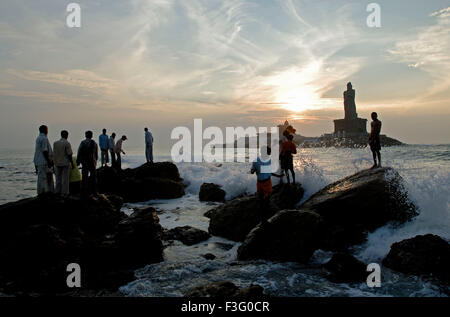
(187, 234)
(211, 192)
(209, 256)
(345, 268)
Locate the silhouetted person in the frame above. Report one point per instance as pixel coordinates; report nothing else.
(112, 146)
(62, 156)
(262, 168)
(374, 140)
(43, 161)
(148, 146)
(88, 156)
(288, 148)
(119, 151)
(103, 142)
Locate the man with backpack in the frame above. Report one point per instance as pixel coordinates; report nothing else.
(87, 156)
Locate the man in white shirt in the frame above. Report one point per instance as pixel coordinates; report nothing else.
(62, 154)
(43, 154)
(148, 146)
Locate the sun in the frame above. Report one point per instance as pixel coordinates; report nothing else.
(294, 89)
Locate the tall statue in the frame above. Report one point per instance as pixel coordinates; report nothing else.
(349, 102)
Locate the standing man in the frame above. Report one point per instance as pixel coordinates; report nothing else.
(43, 161)
(111, 146)
(374, 139)
(119, 151)
(148, 146)
(87, 156)
(288, 148)
(62, 153)
(103, 141)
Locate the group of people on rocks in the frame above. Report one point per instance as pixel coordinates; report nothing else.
(60, 161)
(263, 170)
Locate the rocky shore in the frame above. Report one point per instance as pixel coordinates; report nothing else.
(349, 142)
(40, 236)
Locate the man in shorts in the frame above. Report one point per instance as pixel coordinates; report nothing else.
(374, 140)
(262, 168)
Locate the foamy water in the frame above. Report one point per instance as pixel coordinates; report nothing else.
(425, 169)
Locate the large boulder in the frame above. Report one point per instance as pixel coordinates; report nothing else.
(187, 234)
(236, 218)
(211, 192)
(359, 204)
(226, 289)
(290, 235)
(150, 181)
(422, 255)
(40, 236)
(334, 218)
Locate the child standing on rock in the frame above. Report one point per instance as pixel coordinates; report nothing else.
(262, 168)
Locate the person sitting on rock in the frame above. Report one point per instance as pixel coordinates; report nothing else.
(262, 168)
(374, 140)
(288, 148)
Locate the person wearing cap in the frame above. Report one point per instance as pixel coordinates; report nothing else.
(119, 151)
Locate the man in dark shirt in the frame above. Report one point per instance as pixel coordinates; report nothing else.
(87, 156)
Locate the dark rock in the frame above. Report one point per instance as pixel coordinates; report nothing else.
(166, 170)
(422, 255)
(226, 289)
(236, 218)
(358, 204)
(150, 181)
(187, 234)
(345, 268)
(290, 235)
(40, 236)
(209, 256)
(211, 192)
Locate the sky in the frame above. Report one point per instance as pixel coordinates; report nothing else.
(163, 63)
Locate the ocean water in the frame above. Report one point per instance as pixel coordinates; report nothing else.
(425, 169)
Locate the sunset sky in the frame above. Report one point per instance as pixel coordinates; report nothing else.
(162, 63)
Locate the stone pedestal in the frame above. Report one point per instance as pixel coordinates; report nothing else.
(350, 127)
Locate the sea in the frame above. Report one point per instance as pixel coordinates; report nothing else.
(425, 169)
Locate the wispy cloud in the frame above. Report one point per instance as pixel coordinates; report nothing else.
(428, 50)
